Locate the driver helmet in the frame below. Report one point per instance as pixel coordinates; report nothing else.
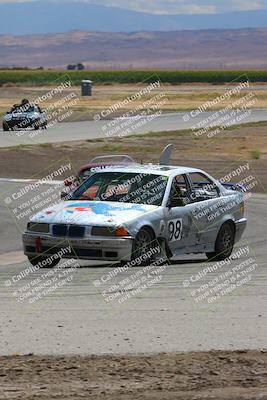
(25, 104)
(25, 101)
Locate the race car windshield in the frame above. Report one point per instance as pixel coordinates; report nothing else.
(124, 187)
(24, 108)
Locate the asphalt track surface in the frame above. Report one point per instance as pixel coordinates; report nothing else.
(166, 317)
(89, 130)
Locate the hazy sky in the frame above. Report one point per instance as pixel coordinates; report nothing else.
(175, 6)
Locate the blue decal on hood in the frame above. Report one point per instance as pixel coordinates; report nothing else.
(101, 208)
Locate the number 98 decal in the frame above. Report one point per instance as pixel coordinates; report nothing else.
(175, 228)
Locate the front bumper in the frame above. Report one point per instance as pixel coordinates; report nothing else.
(240, 226)
(100, 248)
(24, 123)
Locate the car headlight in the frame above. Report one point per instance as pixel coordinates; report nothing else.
(103, 231)
(38, 227)
(8, 117)
(109, 231)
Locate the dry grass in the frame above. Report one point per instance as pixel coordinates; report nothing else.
(176, 98)
(218, 156)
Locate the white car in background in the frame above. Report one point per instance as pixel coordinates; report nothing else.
(24, 116)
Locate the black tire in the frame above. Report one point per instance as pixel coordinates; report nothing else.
(5, 127)
(144, 241)
(35, 260)
(224, 243)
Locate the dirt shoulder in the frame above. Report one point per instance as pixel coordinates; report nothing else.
(246, 145)
(220, 375)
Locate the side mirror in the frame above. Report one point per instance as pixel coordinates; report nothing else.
(64, 195)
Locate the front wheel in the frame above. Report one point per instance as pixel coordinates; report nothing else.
(143, 246)
(5, 127)
(224, 243)
(43, 262)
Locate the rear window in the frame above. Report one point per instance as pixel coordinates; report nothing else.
(203, 186)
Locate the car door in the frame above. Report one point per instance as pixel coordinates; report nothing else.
(207, 207)
(180, 236)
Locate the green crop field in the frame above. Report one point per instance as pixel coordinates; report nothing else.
(43, 77)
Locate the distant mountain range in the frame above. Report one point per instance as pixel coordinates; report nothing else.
(243, 48)
(46, 16)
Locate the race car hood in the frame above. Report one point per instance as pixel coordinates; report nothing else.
(21, 115)
(102, 213)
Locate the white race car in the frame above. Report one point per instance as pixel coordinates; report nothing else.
(121, 214)
(24, 116)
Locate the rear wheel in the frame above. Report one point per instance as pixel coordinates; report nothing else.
(224, 243)
(43, 261)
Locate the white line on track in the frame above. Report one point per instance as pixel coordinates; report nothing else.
(31, 181)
